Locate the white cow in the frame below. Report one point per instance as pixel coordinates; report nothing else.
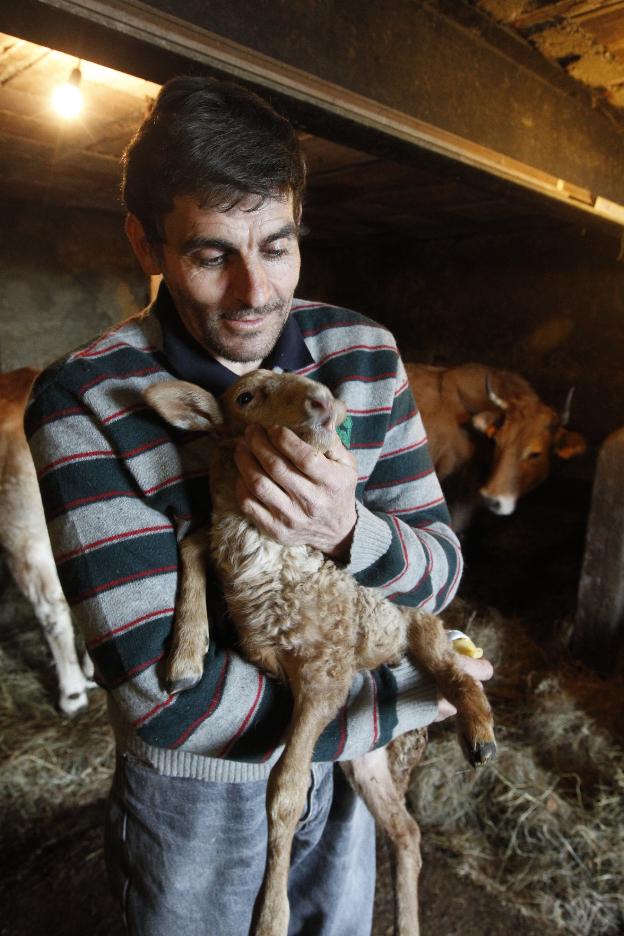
(25, 545)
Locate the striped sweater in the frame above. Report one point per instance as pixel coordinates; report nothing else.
(120, 489)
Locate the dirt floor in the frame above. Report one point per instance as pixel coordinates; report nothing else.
(52, 878)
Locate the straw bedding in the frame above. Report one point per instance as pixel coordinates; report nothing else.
(48, 764)
(541, 827)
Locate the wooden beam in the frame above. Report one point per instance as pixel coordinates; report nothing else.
(191, 42)
(563, 8)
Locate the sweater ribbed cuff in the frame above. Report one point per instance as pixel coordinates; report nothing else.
(371, 539)
(417, 698)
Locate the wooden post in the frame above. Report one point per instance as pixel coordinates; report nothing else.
(599, 628)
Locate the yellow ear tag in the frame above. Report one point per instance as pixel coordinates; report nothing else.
(465, 645)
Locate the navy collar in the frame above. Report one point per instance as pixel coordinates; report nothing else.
(190, 361)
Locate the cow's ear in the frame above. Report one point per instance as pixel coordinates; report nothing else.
(488, 422)
(185, 405)
(568, 444)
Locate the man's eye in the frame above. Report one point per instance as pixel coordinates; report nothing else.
(244, 398)
(275, 253)
(211, 262)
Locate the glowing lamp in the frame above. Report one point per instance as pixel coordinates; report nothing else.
(67, 98)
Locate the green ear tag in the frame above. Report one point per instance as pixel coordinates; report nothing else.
(344, 432)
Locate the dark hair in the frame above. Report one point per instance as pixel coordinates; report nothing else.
(214, 140)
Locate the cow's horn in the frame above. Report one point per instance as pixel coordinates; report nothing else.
(492, 396)
(565, 415)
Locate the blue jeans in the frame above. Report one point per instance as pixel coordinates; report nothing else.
(186, 857)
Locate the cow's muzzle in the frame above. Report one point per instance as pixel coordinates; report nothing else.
(502, 505)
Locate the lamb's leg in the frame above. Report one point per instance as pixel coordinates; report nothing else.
(185, 666)
(370, 776)
(34, 572)
(286, 795)
(429, 646)
(404, 753)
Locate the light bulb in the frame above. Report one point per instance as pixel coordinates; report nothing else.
(67, 98)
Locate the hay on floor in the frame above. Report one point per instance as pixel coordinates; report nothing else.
(542, 826)
(48, 764)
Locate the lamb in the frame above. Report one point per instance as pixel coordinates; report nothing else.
(301, 618)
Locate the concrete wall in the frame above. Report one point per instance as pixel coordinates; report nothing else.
(550, 306)
(65, 274)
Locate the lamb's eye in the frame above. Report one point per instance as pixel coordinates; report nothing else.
(244, 398)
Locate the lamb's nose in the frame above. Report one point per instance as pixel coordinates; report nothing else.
(318, 405)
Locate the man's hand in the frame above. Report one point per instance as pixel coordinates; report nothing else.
(480, 670)
(294, 494)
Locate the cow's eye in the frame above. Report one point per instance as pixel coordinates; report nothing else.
(534, 454)
(244, 398)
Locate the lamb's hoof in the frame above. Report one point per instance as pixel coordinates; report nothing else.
(73, 703)
(180, 683)
(481, 752)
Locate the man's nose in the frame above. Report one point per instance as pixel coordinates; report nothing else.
(252, 286)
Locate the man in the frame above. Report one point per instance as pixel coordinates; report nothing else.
(213, 183)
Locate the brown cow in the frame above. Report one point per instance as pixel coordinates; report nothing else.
(456, 401)
(24, 541)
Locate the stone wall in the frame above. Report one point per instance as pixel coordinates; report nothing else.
(65, 274)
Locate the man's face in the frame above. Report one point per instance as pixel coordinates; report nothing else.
(232, 275)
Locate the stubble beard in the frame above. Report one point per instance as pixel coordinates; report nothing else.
(244, 348)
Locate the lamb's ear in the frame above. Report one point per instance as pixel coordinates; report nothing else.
(185, 405)
(341, 412)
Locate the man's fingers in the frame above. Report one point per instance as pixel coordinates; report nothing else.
(481, 670)
(311, 497)
(342, 455)
(311, 463)
(445, 709)
(302, 456)
(259, 485)
(269, 520)
(280, 467)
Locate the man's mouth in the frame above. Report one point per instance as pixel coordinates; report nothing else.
(250, 315)
(243, 324)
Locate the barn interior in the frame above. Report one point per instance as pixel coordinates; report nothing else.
(466, 188)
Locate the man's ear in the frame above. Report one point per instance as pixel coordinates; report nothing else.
(568, 444)
(185, 405)
(143, 250)
(488, 422)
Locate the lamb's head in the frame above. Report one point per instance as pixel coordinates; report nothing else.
(262, 397)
